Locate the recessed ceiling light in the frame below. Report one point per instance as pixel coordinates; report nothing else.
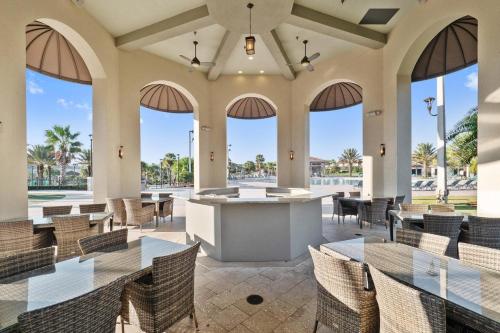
(261, 71)
(250, 57)
(240, 72)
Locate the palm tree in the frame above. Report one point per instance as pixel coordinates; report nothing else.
(168, 162)
(467, 130)
(259, 160)
(64, 145)
(39, 156)
(85, 158)
(350, 156)
(425, 153)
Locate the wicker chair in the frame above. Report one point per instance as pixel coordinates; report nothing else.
(56, 210)
(93, 208)
(347, 208)
(375, 212)
(398, 200)
(117, 207)
(442, 208)
(336, 205)
(343, 303)
(426, 312)
(424, 241)
(95, 311)
(448, 226)
(164, 195)
(159, 300)
(146, 195)
(412, 224)
(138, 215)
(68, 230)
(482, 231)
(415, 208)
(167, 208)
(16, 236)
(20, 262)
(354, 194)
(479, 255)
(106, 242)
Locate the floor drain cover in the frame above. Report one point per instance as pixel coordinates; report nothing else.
(358, 234)
(255, 299)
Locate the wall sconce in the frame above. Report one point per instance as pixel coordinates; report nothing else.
(382, 150)
(292, 155)
(121, 152)
(374, 113)
(212, 156)
(205, 128)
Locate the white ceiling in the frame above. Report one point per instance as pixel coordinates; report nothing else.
(122, 16)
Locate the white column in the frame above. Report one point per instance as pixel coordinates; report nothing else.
(441, 140)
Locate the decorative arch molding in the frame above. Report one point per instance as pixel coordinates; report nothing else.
(251, 106)
(181, 89)
(165, 98)
(337, 96)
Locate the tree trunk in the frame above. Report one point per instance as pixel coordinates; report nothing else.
(49, 170)
(350, 169)
(63, 172)
(424, 165)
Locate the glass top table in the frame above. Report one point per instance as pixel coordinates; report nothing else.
(469, 289)
(40, 222)
(74, 277)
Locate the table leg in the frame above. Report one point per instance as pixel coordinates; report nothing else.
(391, 227)
(111, 224)
(360, 215)
(157, 208)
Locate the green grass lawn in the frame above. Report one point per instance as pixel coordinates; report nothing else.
(462, 203)
(45, 197)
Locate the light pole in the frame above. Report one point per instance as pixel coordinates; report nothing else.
(91, 151)
(442, 176)
(191, 138)
(177, 170)
(161, 176)
(228, 160)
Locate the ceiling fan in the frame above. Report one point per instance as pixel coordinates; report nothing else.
(306, 61)
(195, 62)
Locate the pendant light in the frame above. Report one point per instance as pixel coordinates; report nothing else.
(250, 40)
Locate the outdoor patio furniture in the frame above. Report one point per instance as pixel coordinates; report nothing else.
(56, 210)
(92, 208)
(137, 214)
(157, 301)
(415, 208)
(343, 302)
(16, 236)
(105, 242)
(117, 207)
(146, 195)
(354, 194)
(424, 241)
(412, 224)
(483, 231)
(336, 205)
(467, 184)
(167, 208)
(68, 230)
(25, 261)
(346, 207)
(164, 195)
(375, 212)
(95, 311)
(417, 184)
(398, 200)
(453, 184)
(448, 226)
(429, 186)
(442, 208)
(423, 312)
(479, 255)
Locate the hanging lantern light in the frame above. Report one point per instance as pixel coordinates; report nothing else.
(250, 40)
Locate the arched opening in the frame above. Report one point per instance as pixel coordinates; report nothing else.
(59, 106)
(252, 141)
(336, 138)
(167, 137)
(444, 102)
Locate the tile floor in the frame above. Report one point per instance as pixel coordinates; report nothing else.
(221, 288)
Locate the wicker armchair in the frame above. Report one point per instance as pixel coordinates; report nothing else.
(448, 226)
(56, 210)
(164, 195)
(95, 311)
(20, 262)
(424, 241)
(16, 236)
(479, 255)
(427, 312)
(482, 231)
(415, 208)
(442, 208)
(93, 208)
(159, 300)
(343, 303)
(354, 194)
(398, 200)
(108, 241)
(138, 215)
(68, 230)
(412, 224)
(375, 212)
(347, 208)
(146, 195)
(336, 204)
(167, 208)
(117, 207)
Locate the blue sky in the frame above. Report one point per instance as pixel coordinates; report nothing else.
(51, 101)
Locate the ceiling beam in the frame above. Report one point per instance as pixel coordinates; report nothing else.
(332, 26)
(274, 45)
(226, 47)
(188, 21)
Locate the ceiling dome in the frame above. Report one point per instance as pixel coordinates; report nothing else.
(337, 96)
(50, 53)
(162, 97)
(251, 108)
(453, 48)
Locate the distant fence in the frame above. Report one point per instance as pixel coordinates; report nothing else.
(80, 187)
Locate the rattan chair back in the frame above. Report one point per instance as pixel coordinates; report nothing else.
(448, 226)
(105, 242)
(68, 230)
(414, 208)
(92, 208)
(354, 194)
(20, 262)
(398, 200)
(479, 255)
(16, 235)
(138, 215)
(164, 195)
(167, 208)
(376, 211)
(429, 242)
(442, 208)
(56, 210)
(117, 207)
(483, 231)
(146, 195)
(407, 310)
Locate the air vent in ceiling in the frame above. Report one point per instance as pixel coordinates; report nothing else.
(378, 15)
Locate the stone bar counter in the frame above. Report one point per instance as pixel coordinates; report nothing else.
(274, 226)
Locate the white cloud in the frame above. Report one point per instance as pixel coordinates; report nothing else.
(64, 103)
(471, 82)
(83, 106)
(34, 88)
(70, 104)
